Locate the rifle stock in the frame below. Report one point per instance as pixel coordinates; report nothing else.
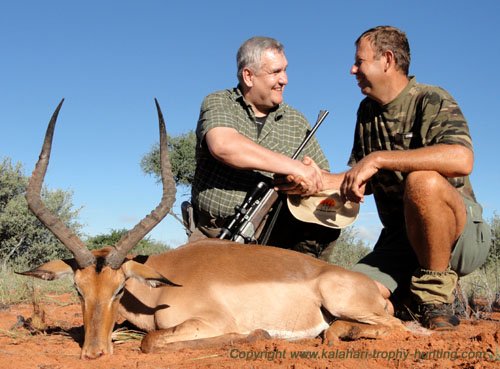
(250, 215)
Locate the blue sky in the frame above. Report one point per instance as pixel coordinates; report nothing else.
(109, 59)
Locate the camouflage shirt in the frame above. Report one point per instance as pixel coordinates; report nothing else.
(420, 116)
(218, 188)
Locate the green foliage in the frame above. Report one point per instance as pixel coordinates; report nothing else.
(348, 249)
(494, 256)
(12, 182)
(144, 247)
(182, 158)
(23, 239)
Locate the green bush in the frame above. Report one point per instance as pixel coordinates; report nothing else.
(145, 247)
(348, 249)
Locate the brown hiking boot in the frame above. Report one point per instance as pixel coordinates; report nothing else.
(438, 317)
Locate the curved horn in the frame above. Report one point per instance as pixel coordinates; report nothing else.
(129, 240)
(69, 239)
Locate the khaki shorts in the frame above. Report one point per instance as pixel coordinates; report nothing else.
(392, 261)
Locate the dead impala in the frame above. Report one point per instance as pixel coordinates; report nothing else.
(223, 291)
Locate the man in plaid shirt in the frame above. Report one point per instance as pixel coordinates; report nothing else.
(248, 134)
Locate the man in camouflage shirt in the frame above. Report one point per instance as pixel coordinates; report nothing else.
(246, 135)
(412, 151)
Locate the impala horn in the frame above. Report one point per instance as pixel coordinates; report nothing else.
(69, 239)
(129, 240)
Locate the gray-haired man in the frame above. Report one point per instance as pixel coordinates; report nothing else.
(248, 134)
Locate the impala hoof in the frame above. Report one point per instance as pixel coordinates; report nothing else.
(351, 331)
(148, 343)
(258, 334)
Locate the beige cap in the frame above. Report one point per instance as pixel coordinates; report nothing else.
(325, 208)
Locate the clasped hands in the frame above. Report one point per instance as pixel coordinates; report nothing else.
(351, 184)
(307, 181)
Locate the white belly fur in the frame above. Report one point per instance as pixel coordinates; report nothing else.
(297, 335)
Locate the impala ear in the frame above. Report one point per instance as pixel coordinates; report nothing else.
(52, 270)
(145, 274)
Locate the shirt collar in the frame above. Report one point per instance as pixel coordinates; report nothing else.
(274, 115)
(411, 82)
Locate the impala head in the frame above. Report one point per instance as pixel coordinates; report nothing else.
(99, 275)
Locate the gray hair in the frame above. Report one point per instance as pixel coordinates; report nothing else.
(250, 53)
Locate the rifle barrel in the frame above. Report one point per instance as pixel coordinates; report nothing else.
(321, 117)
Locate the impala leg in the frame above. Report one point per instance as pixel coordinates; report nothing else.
(195, 334)
(363, 303)
(350, 331)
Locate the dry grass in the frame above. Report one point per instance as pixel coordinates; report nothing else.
(479, 292)
(122, 335)
(15, 288)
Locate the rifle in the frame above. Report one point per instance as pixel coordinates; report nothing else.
(250, 215)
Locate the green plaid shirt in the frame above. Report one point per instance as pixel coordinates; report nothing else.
(420, 116)
(218, 188)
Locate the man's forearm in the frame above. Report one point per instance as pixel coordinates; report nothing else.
(332, 181)
(246, 155)
(236, 150)
(448, 160)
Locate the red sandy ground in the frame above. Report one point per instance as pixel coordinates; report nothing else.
(476, 344)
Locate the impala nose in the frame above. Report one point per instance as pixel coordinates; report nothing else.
(92, 354)
(95, 351)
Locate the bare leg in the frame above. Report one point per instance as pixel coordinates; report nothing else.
(435, 217)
